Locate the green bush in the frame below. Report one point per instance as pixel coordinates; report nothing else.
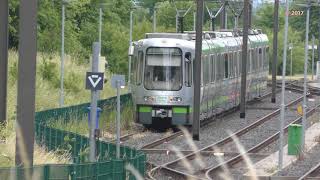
(72, 81)
(48, 70)
(13, 72)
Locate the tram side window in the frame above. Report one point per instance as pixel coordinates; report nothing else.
(260, 59)
(240, 62)
(249, 61)
(133, 70)
(236, 54)
(220, 67)
(202, 70)
(213, 69)
(231, 65)
(226, 66)
(208, 67)
(204, 63)
(254, 60)
(266, 58)
(139, 67)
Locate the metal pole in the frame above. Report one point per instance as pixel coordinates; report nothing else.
(177, 22)
(291, 73)
(194, 21)
(212, 23)
(304, 116)
(180, 20)
(226, 19)
(318, 48)
(312, 65)
(118, 120)
(244, 60)
(26, 83)
(154, 20)
(197, 73)
(4, 17)
(275, 50)
(94, 103)
(284, 64)
(100, 28)
(250, 14)
(61, 102)
(130, 44)
(236, 22)
(223, 15)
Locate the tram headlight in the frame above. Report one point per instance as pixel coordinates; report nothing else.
(149, 98)
(175, 99)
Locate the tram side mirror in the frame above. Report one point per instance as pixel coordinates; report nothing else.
(187, 58)
(188, 69)
(131, 49)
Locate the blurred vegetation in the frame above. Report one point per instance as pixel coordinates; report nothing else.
(263, 19)
(81, 30)
(81, 27)
(107, 122)
(47, 97)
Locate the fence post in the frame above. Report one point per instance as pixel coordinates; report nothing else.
(46, 172)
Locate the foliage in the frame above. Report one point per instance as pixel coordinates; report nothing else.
(107, 122)
(81, 26)
(264, 20)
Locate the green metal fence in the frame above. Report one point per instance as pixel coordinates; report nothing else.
(107, 167)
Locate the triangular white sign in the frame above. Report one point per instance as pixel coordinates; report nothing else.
(94, 83)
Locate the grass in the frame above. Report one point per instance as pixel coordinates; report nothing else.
(41, 156)
(107, 123)
(47, 97)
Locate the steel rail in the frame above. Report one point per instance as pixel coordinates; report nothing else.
(312, 90)
(311, 173)
(205, 153)
(256, 148)
(162, 140)
(124, 137)
(203, 123)
(244, 130)
(221, 142)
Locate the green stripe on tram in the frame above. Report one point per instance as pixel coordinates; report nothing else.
(145, 109)
(180, 110)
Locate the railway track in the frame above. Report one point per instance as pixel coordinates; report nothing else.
(148, 147)
(294, 86)
(312, 174)
(170, 165)
(167, 167)
(212, 171)
(124, 137)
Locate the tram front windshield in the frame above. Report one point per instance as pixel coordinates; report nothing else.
(163, 69)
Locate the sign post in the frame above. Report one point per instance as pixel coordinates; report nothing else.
(197, 73)
(306, 51)
(94, 82)
(282, 106)
(118, 81)
(312, 65)
(243, 91)
(275, 50)
(26, 84)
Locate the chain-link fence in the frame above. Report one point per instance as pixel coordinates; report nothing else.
(107, 167)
